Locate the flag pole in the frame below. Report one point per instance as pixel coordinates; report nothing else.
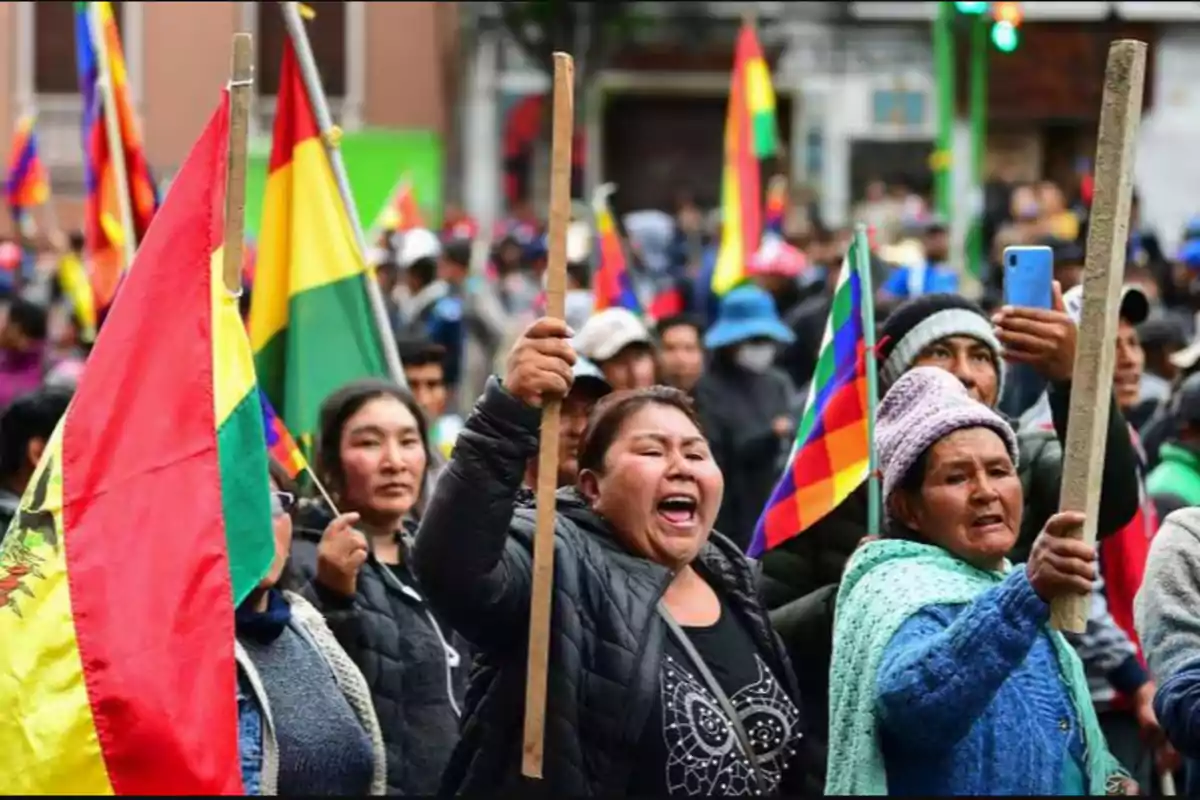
(240, 84)
(112, 125)
(862, 265)
(329, 134)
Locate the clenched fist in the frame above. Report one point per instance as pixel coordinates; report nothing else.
(539, 364)
(1060, 565)
(340, 554)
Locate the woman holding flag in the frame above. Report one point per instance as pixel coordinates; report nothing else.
(372, 455)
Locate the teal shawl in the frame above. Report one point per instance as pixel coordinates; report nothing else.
(885, 583)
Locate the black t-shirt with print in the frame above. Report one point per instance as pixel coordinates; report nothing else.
(689, 747)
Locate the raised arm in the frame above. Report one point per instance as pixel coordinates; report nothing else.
(944, 665)
(471, 571)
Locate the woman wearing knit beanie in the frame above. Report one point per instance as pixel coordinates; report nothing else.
(946, 679)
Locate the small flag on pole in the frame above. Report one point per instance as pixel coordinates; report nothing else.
(832, 454)
(280, 444)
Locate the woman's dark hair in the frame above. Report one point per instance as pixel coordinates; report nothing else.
(611, 412)
(911, 485)
(345, 403)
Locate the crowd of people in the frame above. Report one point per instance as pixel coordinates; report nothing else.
(385, 650)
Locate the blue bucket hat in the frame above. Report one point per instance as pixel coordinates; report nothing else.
(747, 312)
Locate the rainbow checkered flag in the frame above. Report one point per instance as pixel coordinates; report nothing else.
(832, 455)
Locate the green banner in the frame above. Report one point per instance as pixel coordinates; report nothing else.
(375, 161)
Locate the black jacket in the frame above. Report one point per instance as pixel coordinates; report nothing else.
(474, 559)
(737, 408)
(391, 634)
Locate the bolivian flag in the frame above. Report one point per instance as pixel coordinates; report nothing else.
(749, 137)
(311, 323)
(146, 522)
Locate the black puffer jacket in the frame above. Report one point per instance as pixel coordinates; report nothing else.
(474, 559)
(393, 637)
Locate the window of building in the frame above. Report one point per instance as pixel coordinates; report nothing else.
(326, 34)
(892, 107)
(54, 66)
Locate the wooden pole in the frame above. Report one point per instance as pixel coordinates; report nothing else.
(112, 125)
(547, 484)
(294, 22)
(1103, 275)
(240, 84)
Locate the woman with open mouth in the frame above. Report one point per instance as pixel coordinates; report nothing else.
(665, 677)
(946, 679)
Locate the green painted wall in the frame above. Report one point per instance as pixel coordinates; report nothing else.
(375, 160)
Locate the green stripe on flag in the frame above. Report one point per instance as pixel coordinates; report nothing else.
(765, 140)
(330, 340)
(245, 498)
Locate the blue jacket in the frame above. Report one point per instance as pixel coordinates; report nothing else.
(990, 661)
(934, 278)
(1177, 705)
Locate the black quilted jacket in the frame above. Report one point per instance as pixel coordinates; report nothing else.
(473, 558)
(390, 632)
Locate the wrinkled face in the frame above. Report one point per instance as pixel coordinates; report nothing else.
(281, 524)
(1131, 359)
(660, 489)
(427, 382)
(383, 461)
(682, 357)
(967, 359)
(970, 502)
(632, 368)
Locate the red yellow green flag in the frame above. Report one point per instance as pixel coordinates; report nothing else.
(311, 323)
(146, 522)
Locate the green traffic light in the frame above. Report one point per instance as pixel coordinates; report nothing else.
(1005, 37)
(971, 8)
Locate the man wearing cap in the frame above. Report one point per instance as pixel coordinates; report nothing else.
(617, 342)
(1175, 482)
(434, 311)
(586, 390)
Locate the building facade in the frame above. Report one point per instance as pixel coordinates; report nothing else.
(857, 97)
(383, 64)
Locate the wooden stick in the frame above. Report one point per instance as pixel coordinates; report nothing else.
(240, 83)
(1103, 275)
(543, 546)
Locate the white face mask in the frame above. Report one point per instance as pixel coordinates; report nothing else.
(755, 357)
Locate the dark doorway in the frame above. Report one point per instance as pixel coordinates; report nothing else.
(895, 162)
(655, 145)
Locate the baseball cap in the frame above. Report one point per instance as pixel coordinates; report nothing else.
(417, 244)
(609, 332)
(1134, 308)
(588, 376)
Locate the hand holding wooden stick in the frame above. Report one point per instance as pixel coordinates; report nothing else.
(543, 547)
(1103, 275)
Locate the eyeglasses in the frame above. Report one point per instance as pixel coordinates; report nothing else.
(282, 504)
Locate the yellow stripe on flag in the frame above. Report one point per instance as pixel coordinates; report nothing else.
(233, 361)
(305, 239)
(49, 735)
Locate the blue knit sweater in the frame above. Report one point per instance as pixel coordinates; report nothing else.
(971, 701)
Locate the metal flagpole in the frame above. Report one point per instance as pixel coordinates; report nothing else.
(316, 95)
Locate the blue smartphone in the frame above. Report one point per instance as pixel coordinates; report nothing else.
(1028, 276)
